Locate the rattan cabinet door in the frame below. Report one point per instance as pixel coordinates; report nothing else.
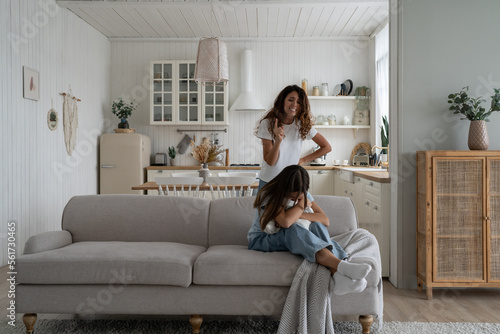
(458, 219)
(494, 218)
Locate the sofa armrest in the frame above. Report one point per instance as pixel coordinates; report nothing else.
(47, 241)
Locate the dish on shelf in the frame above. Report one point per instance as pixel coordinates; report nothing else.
(317, 164)
(336, 90)
(343, 89)
(348, 85)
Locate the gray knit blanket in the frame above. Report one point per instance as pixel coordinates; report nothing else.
(308, 305)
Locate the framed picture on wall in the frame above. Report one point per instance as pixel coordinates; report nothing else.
(31, 83)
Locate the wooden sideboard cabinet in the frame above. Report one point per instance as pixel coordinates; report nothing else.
(458, 219)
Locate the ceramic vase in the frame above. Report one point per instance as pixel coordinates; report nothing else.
(204, 172)
(123, 124)
(478, 136)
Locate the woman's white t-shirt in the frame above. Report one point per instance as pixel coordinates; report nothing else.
(290, 148)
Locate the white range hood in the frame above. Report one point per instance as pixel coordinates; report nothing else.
(246, 101)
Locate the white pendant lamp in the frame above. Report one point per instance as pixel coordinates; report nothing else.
(211, 62)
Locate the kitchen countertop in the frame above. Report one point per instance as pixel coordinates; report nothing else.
(382, 177)
(197, 167)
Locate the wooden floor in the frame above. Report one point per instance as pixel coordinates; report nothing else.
(448, 305)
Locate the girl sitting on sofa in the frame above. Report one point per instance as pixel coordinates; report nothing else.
(313, 243)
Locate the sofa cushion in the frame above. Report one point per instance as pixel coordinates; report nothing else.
(165, 263)
(137, 218)
(231, 218)
(237, 265)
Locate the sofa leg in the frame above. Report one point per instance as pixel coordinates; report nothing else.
(196, 321)
(29, 320)
(366, 322)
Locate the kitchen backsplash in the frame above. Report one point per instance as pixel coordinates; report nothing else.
(276, 64)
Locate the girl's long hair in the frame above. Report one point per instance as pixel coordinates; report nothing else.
(276, 192)
(278, 111)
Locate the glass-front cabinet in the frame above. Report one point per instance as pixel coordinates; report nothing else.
(176, 98)
(162, 93)
(215, 103)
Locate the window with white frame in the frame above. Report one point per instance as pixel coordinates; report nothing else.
(381, 78)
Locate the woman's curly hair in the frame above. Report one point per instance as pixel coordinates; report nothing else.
(278, 111)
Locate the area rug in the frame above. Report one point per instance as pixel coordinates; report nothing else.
(233, 327)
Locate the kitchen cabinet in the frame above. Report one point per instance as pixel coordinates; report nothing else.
(458, 221)
(321, 182)
(176, 98)
(372, 202)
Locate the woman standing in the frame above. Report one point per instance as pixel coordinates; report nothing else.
(283, 130)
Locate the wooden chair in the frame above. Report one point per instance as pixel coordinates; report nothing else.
(183, 182)
(231, 181)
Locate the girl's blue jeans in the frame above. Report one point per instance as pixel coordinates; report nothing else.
(298, 240)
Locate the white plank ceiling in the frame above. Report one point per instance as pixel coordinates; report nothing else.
(174, 19)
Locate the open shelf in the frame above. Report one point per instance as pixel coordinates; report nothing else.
(354, 128)
(331, 97)
(339, 97)
(342, 126)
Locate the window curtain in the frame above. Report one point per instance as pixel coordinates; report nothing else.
(381, 78)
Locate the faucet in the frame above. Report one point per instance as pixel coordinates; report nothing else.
(387, 148)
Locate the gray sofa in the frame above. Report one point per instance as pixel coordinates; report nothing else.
(135, 254)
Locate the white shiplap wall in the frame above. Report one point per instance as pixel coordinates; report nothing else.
(276, 63)
(37, 175)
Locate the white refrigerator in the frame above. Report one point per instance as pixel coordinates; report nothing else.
(123, 159)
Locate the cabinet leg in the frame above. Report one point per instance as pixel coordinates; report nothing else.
(428, 291)
(366, 322)
(419, 287)
(196, 321)
(29, 320)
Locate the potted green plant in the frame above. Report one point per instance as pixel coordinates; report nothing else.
(123, 110)
(470, 107)
(171, 155)
(384, 134)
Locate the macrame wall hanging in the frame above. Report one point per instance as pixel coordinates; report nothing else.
(70, 120)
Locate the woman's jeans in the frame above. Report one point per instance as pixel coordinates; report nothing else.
(298, 240)
(261, 184)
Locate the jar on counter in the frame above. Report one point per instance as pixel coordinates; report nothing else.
(315, 90)
(304, 85)
(324, 89)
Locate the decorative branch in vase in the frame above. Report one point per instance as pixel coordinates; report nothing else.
(205, 153)
(470, 107)
(123, 110)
